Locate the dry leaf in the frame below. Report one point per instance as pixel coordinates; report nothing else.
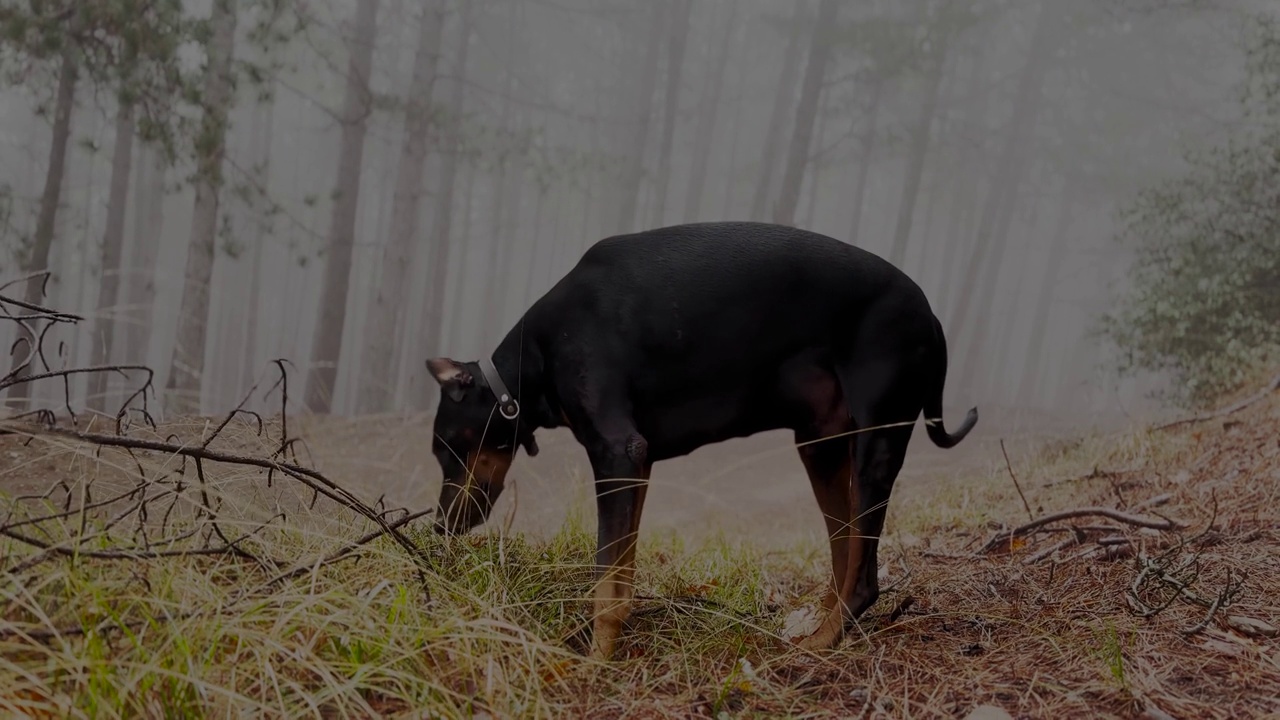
(800, 623)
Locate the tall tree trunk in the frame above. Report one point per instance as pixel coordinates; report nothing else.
(1032, 373)
(920, 136)
(784, 213)
(815, 177)
(784, 98)
(704, 134)
(37, 259)
(630, 191)
(262, 133)
(357, 105)
(387, 314)
(998, 366)
(186, 369)
(864, 158)
(679, 13)
(148, 223)
(112, 251)
(468, 247)
(973, 112)
(506, 192)
(437, 264)
(1009, 170)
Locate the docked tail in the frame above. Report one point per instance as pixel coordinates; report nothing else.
(933, 404)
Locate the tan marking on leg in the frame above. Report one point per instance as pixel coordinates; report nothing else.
(616, 588)
(836, 499)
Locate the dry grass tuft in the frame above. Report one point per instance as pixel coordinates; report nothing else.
(1039, 627)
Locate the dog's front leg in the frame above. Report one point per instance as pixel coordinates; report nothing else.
(621, 484)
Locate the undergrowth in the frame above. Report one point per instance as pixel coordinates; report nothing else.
(497, 628)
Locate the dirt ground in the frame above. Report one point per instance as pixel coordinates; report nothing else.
(751, 487)
(746, 488)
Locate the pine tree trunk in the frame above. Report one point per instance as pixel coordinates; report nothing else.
(815, 70)
(864, 159)
(148, 223)
(704, 134)
(112, 251)
(630, 191)
(1009, 170)
(187, 365)
(960, 224)
(441, 241)
(783, 100)
(37, 259)
(1032, 372)
(262, 132)
(326, 345)
(387, 314)
(920, 136)
(680, 13)
(506, 193)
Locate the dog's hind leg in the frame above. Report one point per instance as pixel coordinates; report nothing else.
(885, 403)
(830, 463)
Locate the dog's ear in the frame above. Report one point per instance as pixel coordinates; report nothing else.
(530, 445)
(452, 376)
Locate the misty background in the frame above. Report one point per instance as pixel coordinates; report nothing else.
(358, 185)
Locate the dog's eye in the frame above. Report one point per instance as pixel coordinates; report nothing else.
(504, 446)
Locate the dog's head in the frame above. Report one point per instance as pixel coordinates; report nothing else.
(473, 443)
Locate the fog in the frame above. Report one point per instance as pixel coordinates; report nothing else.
(402, 179)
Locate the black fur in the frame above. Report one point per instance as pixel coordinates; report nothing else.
(661, 342)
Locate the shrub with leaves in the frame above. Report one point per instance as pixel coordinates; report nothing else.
(1203, 301)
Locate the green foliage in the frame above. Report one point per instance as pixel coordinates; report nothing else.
(1204, 298)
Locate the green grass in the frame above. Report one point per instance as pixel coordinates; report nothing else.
(497, 628)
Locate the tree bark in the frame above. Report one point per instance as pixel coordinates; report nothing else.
(112, 251)
(864, 158)
(1009, 171)
(679, 12)
(357, 105)
(815, 70)
(960, 224)
(387, 314)
(920, 136)
(783, 100)
(37, 259)
(507, 195)
(634, 175)
(187, 365)
(262, 133)
(148, 223)
(703, 135)
(998, 365)
(1031, 370)
(437, 264)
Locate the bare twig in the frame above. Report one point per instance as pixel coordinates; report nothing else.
(1009, 466)
(79, 529)
(1271, 387)
(1118, 516)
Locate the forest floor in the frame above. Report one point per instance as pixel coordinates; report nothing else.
(105, 611)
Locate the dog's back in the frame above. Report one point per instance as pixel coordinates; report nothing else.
(674, 293)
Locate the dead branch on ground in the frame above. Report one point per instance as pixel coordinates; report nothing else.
(166, 511)
(1164, 579)
(1004, 539)
(1233, 408)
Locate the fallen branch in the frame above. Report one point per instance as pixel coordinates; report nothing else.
(1156, 523)
(1271, 387)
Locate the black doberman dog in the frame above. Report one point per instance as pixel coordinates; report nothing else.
(661, 342)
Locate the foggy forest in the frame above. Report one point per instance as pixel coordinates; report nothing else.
(357, 186)
(233, 232)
